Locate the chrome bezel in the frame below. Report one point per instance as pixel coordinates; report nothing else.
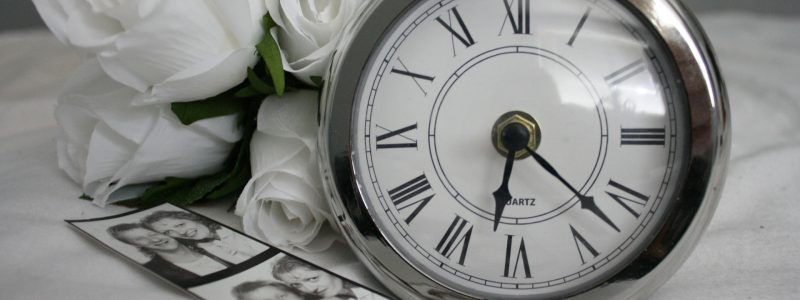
(685, 223)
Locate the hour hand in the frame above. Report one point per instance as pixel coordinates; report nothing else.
(514, 138)
(502, 195)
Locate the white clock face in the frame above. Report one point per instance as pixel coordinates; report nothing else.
(582, 199)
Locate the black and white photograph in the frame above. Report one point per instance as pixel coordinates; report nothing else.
(285, 277)
(180, 246)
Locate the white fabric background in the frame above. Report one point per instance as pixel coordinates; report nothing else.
(749, 252)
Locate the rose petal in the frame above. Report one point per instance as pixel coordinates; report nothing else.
(267, 153)
(108, 152)
(73, 22)
(184, 52)
(292, 116)
(283, 202)
(241, 18)
(203, 80)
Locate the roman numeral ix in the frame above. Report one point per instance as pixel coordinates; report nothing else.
(382, 143)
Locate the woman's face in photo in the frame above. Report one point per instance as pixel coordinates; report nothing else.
(182, 228)
(315, 282)
(271, 293)
(149, 239)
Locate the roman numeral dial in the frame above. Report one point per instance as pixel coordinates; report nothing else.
(512, 148)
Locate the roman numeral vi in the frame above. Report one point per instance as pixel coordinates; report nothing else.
(521, 255)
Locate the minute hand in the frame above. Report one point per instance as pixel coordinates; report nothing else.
(587, 202)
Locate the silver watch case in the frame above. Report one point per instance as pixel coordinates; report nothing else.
(685, 223)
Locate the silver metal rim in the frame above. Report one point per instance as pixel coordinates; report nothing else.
(687, 220)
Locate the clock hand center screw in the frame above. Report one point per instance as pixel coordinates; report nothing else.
(513, 132)
(514, 137)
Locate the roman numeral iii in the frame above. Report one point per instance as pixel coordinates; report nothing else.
(413, 194)
(643, 136)
(457, 235)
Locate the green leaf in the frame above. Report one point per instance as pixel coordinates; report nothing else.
(157, 194)
(200, 189)
(271, 54)
(247, 92)
(241, 172)
(235, 183)
(258, 84)
(317, 80)
(221, 105)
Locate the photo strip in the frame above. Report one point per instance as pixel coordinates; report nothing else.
(212, 261)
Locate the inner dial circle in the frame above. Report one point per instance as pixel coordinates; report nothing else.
(535, 81)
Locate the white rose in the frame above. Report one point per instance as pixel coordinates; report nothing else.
(168, 50)
(105, 143)
(308, 31)
(284, 203)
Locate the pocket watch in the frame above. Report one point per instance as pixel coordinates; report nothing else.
(518, 149)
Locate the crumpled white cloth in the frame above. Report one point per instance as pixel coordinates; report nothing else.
(749, 251)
